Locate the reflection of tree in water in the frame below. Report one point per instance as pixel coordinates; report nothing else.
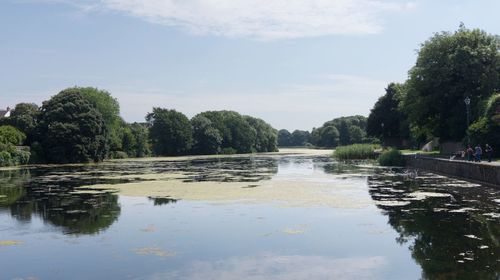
(75, 213)
(452, 236)
(157, 201)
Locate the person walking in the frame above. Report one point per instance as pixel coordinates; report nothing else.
(469, 153)
(489, 152)
(478, 153)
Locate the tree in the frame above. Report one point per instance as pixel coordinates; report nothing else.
(266, 136)
(25, 117)
(109, 108)
(387, 118)
(329, 136)
(11, 136)
(300, 137)
(344, 137)
(141, 136)
(486, 130)
(71, 130)
(356, 134)
(284, 138)
(170, 132)
(450, 67)
(207, 138)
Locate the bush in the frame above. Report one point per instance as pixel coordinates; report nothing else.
(20, 157)
(118, 155)
(356, 151)
(392, 157)
(228, 151)
(5, 158)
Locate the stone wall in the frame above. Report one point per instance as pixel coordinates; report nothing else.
(483, 173)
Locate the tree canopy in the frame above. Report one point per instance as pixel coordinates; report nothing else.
(170, 132)
(340, 131)
(71, 129)
(449, 68)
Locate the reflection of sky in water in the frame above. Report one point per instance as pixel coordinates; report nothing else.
(147, 238)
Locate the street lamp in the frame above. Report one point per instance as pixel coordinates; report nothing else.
(467, 106)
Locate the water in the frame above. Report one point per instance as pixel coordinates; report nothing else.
(278, 217)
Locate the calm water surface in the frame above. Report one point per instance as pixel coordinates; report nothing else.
(414, 226)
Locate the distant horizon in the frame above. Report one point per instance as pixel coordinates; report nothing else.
(293, 64)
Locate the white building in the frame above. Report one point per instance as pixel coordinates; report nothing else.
(5, 113)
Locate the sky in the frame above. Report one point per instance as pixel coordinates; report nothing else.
(293, 63)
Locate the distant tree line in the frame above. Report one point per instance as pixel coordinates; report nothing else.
(337, 132)
(84, 125)
(450, 69)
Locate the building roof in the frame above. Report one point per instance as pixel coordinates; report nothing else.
(5, 113)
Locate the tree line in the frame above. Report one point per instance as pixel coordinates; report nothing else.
(83, 124)
(337, 132)
(452, 69)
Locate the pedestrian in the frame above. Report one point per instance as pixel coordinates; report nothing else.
(489, 152)
(478, 153)
(469, 152)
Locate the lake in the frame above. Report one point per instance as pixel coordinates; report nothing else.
(289, 215)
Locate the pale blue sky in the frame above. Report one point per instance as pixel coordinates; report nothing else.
(294, 63)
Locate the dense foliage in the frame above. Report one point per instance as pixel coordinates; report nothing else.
(387, 119)
(340, 131)
(431, 103)
(355, 151)
(487, 128)
(170, 132)
(297, 138)
(391, 157)
(71, 129)
(230, 132)
(10, 137)
(450, 67)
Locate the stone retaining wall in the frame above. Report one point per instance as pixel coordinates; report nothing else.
(483, 173)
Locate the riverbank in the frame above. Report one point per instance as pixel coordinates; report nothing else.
(480, 172)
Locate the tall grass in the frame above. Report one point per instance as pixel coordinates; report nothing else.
(355, 151)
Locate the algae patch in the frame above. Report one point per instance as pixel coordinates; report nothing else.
(10, 242)
(155, 251)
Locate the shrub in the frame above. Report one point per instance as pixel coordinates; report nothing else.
(5, 158)
(20, 157)
(392, 157)
(228, 151)
(118, 155)
(356, 151)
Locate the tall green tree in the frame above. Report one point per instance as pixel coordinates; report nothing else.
(109, 108)
(387, 117)
(170, 132)
(266, 139)
(24, 116)
(71, 129)
(449, 68)
(284, 138)
(207, 138)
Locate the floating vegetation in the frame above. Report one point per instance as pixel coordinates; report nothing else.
(154, 251)
(150, 228)
(10, 242)
(300, 229)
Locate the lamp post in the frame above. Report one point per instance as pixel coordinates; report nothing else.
(467, 106)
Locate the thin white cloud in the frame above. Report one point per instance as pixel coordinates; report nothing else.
(261, 19)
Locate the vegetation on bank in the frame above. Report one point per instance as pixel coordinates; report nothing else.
(81, 125)
(391, 157)
(337, 132)
(355, 151)
(10, 154)
(430, 104)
